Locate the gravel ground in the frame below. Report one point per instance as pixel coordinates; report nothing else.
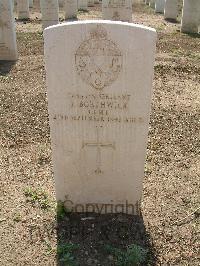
(169, 228)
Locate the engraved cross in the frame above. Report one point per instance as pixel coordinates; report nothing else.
(98, 144)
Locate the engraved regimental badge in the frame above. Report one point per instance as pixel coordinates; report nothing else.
(98, 60)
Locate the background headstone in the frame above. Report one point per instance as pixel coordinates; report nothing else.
(171, 9)
(50, 12)
(191, 16)
(99, 80)
(30, 3)
(70, 8)
(8, 46)
(152, 3)
(23, 9)
(83, 5)
(90, 2)
(119, 10)
(159, 6)
(61, 3)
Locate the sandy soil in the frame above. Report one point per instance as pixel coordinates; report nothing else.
(30, 233)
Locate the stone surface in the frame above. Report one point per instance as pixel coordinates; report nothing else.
(23, 9)
(159, 6)
(50, 12)
(70, 8)
(191, 16)
(171, 9)
(120, 10)
(99, 80)
(8, 46)
(83, 5)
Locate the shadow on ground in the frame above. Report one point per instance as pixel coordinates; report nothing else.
(71, 20)
(193, 35)
(6, 67)
(171, 20)
(106, 239)
(23, 20)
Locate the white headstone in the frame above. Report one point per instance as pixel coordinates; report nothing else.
(152, 3)
(171, 9)
(61, 3)
(50, 12)
(8, 46)
(23, 9)
(120, 10)
(191, 16)
(90, 2)
(71, 8)
(159, 6)
(99, 80)
(83, 5)
(13, 4)
(30, 3)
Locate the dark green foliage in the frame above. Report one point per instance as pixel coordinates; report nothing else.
(65, 254)
(133, 256)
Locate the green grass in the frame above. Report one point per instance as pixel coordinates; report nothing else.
(160, 28)
(134, 255)
(17, 217)
(65, 254)
(48, 247)
(37, 197)
(181, 53)
(148, 10)
(62, 211)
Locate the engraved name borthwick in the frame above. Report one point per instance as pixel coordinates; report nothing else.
(99, 108)
(98, 145)
(98, 60)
